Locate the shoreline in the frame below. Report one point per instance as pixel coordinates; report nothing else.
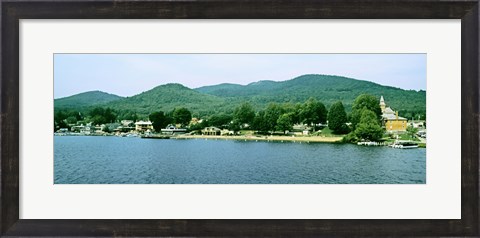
(307, 139)
(300, 139)
(319, 139)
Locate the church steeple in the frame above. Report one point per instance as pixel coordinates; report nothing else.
(382, 104)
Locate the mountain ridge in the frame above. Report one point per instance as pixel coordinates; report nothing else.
(165, 98)
(225, 97)
(89, 98)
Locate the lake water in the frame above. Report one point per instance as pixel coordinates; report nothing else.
(121, 160)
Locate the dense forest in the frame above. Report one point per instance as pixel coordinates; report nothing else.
(224, 98)
(325, 88)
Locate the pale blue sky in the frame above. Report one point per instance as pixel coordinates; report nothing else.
(130, 74)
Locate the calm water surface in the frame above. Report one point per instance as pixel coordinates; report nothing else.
(120, 160)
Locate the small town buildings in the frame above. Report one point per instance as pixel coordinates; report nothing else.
(302, 129)
(211, 131)
(62, 130)
(171, 129)
(299, 127)
(99, 128)
(127, 123)
(390, 118)
(124, 129)
(77, 128)
(143, 126)
(226, 132)
(195, 121)
(422, 134)
(417, 124)
(84, 129)
(87, 130)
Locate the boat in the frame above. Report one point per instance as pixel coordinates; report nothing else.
(404, 145)
(370, 143)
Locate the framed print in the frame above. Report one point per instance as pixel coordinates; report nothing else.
(239, 118)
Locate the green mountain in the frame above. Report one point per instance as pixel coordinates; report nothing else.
(86, 99)
(326, 88)
(223, 98)
(166, 98)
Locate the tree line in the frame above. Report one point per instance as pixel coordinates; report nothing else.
(365, 118)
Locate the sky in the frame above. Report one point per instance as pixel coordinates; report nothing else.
(131, 74)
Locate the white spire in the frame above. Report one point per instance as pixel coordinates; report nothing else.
(382, 102)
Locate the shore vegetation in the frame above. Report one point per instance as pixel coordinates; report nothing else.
(307, 120)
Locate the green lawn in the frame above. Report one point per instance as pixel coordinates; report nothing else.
(406, 136)
(327, 132)
(246, 132)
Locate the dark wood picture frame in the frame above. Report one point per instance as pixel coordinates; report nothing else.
(13, 11)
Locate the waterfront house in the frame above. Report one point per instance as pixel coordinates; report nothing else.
(171, 129)
(299, 127)
(124, 129)
(390, 118)
(84, 129)
(87, 130)
(99, 128)
(211, 131)
(143, 126)
(226, 132)
(77, 128)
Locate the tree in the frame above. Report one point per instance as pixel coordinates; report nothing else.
(244, 114)
(220, 120)
(199, 126)
(129, 115)
(98, 120)
(284, 122)
(408, 115)
(365, 101)
(101, 115)
(182, 116)
(107, 129)
(412, 131)
(234, 126)
(294, 110)
(337, 118)
(59, 119)
(110, 115)
(259, 122)
(272, 113)
(71, 120)
(313, 112)
(368, 127)
(159, 120)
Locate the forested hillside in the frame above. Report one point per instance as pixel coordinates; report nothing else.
(224, 98)
(86, 99)
(166, 98)
(325, 88)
